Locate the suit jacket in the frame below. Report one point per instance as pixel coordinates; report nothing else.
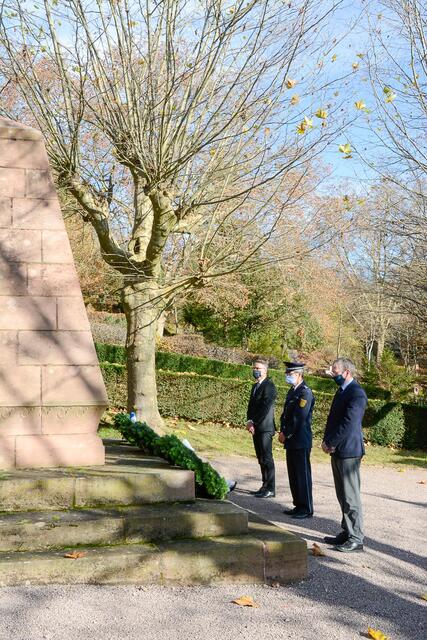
(295, 421)
(261, 406)
(344, 424)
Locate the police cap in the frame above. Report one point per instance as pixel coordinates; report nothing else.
(294, 366)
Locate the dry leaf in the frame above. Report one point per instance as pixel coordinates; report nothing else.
(360, 105)
(321, 113)
(290, 83)
(423, 596)
(316, 550)
(376, 635)
(245, 601)
(295, 99)
(74, 555)
(355, 66)
(422, 482)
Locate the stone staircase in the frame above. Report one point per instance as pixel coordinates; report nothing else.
(134, 520)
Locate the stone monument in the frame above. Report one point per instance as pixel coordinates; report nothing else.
(51, 388)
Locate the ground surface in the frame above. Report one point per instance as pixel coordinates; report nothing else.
(341, 598)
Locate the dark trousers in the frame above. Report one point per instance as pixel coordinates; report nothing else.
(346, 472)
(299, 474)
(263, 443)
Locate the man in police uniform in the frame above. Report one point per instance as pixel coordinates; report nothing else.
(296, 435)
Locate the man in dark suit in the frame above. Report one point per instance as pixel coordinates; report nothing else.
(343, 440)
(260, 423)
(296, 436)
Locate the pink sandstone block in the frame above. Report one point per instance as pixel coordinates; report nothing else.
(56, 347)
(12, 183)
(59, 450)
(20, 386)
(19, 420)
(23, 154)
(66, 420)
(7, 452)
(56, 247)
(20, 245)
(5, 213)
(39, 184)
(27, 313)
(31, 213)
(72, 314)
(12, 130)
(53, 280)
(9, 347)
(13, 278)
(73, 386)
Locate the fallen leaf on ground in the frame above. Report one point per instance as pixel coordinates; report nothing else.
(275, 585)
(376, 634)
(316, 550)
(422, 482)
(74, 555)
(245, 601)
(423, 596)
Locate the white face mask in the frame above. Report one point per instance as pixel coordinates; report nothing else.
(291, 379)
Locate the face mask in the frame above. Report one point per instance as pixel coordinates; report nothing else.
(339, 379)
(256, 374)
(291, 379)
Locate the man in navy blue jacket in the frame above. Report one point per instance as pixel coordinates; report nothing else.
(343, 440)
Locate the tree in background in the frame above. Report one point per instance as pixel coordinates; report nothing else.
(173, 125)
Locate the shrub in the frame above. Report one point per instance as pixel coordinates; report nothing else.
(174, 451)
(389, 425)
(206, 398)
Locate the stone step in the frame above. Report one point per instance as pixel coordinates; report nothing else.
(266, 554)
(130, 478)
(35, 530)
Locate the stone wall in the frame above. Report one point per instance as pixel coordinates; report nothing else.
(51, 388)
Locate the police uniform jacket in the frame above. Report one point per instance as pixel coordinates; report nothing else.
(295, 421)
(344, 424)
(261, 406)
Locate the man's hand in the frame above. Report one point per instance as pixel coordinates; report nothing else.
(327, 449)
(282, 437)
(250, 427)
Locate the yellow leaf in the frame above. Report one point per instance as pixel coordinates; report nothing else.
(401, 470)
(360, 105)
(317, 551)
(267, 132)
(361, 201)
(346, 199)
(360, 55)
(334, 57)
(355, 66)
(212, 152)
(290, 83)
(321, 113)
(390, 97)
(74, 555)
(423, 596)
(295, 99)
(305, 125)
(376, 635)
(245, 601)
(345, 148)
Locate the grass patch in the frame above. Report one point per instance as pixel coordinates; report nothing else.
(211, 439)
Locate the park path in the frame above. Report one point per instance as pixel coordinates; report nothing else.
(342, 596)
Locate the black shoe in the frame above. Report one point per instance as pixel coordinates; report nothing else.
(349, 546)
(265, 494)
(300, 515)
(290, 512)
(341, 538)
(260, 490)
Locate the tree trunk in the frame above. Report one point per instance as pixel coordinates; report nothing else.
(141, 306)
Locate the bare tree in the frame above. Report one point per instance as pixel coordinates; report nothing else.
(173, 124)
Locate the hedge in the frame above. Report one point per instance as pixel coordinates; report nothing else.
(207, 398)
(204, 366)
(174, 451)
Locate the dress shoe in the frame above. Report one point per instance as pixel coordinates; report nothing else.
(300, 515)
(349, 546)
(265, 494)
(290, 512)
(339, 539)
(260, 490)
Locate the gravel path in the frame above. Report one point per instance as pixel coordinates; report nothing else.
(343, 595)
